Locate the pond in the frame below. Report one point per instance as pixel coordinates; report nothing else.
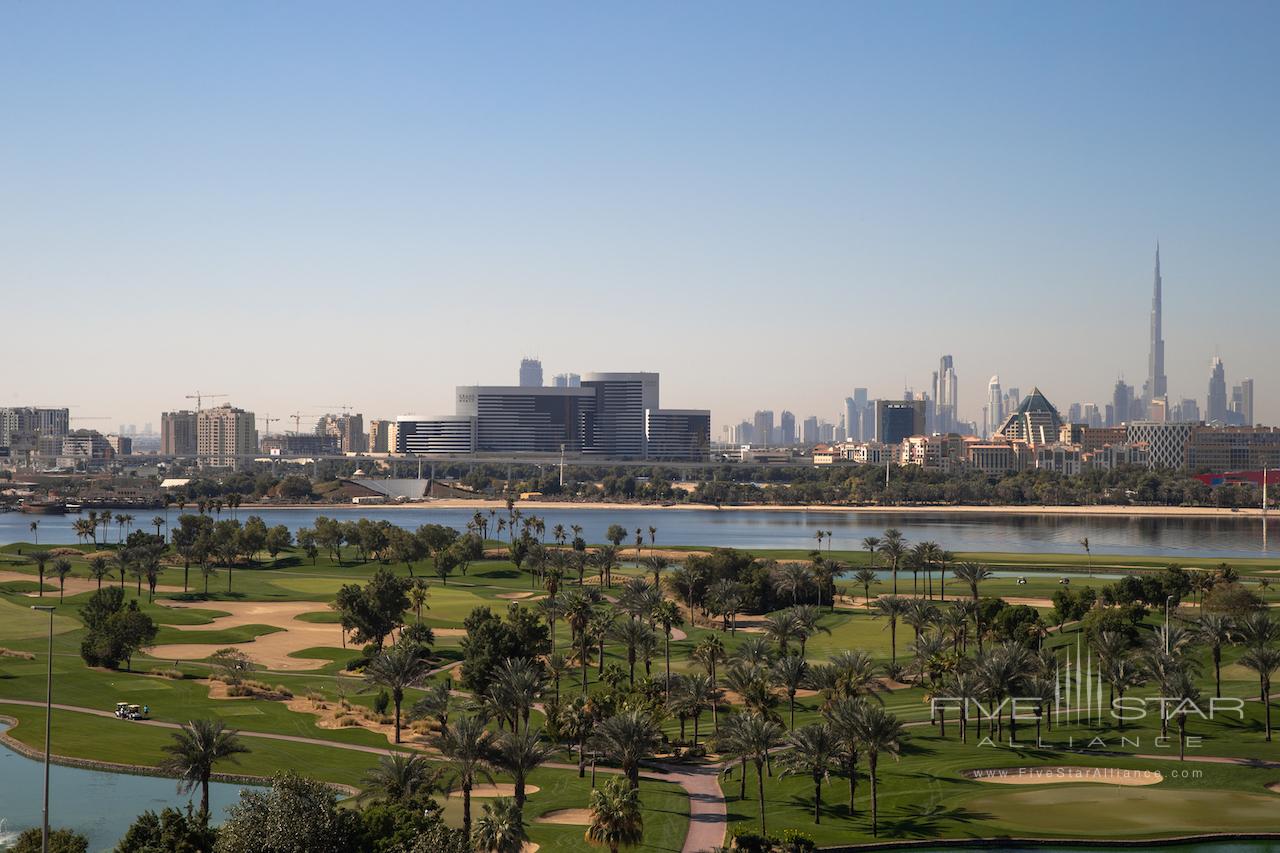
(98, 804)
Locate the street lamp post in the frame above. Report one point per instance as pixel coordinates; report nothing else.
(48, 723)
(1167, 624)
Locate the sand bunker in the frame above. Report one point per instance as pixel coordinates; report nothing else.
(1274, 786)
(269, 650)
(571, 817)
(501, 789)
(514, 595)
(1059, 775)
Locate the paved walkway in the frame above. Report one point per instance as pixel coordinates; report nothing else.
(708, 817)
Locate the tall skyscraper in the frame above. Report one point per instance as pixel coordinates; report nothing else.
(178, 433)
(1245, 409)
(530, 373)
(1122, 403)
(945, 385)
(995, 406)
(762, 427)
(567, 380)
(1216, 404)
(787, 428)
(1157, 383)
(809, 430)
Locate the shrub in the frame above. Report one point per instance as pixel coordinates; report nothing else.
(381, 703)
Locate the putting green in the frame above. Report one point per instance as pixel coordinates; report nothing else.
(1092, 810)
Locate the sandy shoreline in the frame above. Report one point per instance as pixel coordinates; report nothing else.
(485, 505)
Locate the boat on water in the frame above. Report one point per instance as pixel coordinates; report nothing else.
(44, 507)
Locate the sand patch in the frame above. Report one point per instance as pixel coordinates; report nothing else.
(268, 650)
(1274, 786)
(514, 595)
(500, 789)
(677, 634)
(449, 632)
(569, 817)
(1060, 775)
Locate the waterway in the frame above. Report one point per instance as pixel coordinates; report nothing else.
(98, 804)
(1177, 537)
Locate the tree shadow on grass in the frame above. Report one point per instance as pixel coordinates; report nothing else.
(928, 820)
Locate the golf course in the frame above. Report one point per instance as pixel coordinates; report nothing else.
(894, 693)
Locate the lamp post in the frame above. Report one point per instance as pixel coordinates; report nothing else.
(1167, 624)
(48, 722)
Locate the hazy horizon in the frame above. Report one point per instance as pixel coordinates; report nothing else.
(312, 205)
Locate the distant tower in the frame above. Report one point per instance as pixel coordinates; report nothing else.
(530, 373)
(1216, 404)
(1157, 383)
(995, 405)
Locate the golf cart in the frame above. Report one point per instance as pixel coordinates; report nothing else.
(125, 711)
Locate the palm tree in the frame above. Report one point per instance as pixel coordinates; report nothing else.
(812, 752)
(1187, 694)
(893, 608)
(34, 527)
(1084, 543)
(844, 718)
(1264, 661)
(791, 673)
(667, 615)
(500, 828)
(893, 548)
(396, 669)
(792, 578)
(808, 623)
(710, 652)
(196, 748)
(469, 747)
(782, 628)
(157, 522)
(61, 568)
(521, 752)
(402, 777)
(517, 684)
(616, 821)
(866, 577)
(754, 737)
(99, 569)
(418, 592)
(578, 611)
(881, 732)
(628, 738)
(40, 558)
(657, 565)
(1215, 631)
(971, 573)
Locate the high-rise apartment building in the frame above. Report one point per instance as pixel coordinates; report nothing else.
(995, 407)
(945, 386)
(1156, 386)
(787, 428)
(762, 427)
(1242, 403)
(567, 380)
(1121, 403)
(178, 434)
(23, 426)
(530, 373)
(809, 430)
(347, 429)
(1215, 410)
(225, 433)
(380, 436)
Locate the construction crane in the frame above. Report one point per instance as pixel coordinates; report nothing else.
(345, 408)
(297, 421)
(199, 398)
(268, 420)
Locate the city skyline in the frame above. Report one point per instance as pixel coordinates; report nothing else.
(392, 194)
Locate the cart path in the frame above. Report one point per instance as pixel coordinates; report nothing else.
(708, 816)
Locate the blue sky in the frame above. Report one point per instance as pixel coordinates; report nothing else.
(306, 204)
